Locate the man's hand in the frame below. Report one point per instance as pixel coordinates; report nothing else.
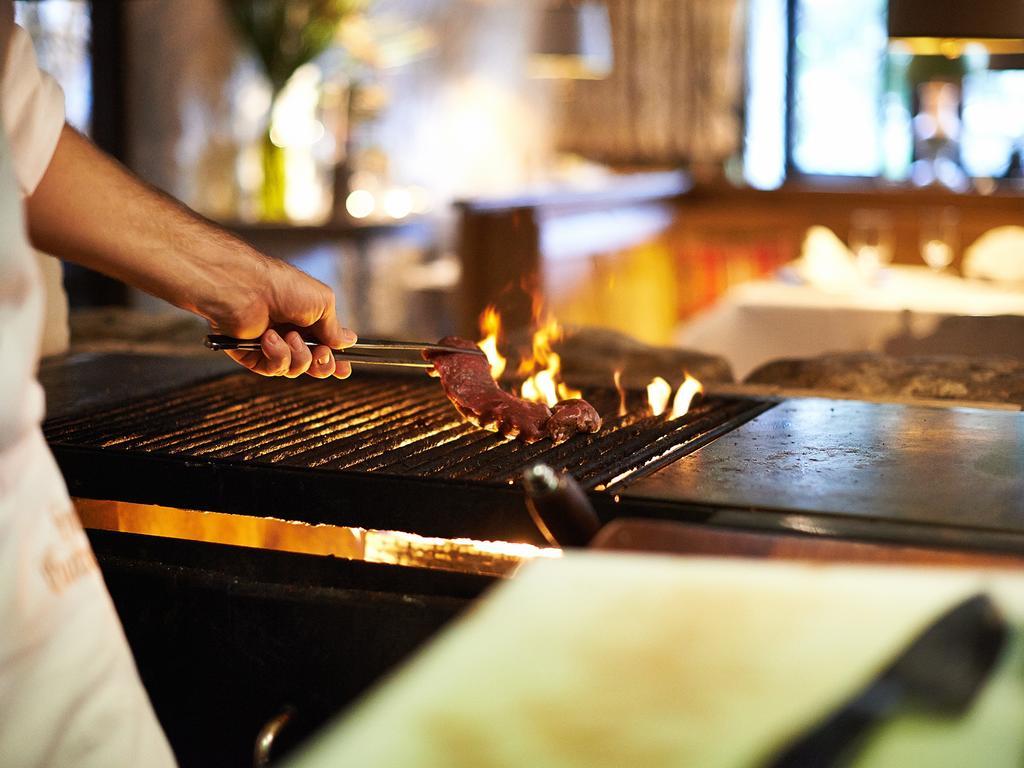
(282, 306)
(90, 210)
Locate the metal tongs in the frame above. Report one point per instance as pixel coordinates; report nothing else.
(363, 352)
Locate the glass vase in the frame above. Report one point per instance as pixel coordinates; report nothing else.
(272, 193)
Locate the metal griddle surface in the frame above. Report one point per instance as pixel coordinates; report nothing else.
(912, 473)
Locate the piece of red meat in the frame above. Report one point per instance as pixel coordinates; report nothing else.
(468, 383)
(571, 416)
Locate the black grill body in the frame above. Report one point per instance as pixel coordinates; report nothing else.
(226, 637)
(381, 451)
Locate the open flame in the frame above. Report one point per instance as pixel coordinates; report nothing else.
(659, 392)
(490, 328)
(543, 369)
(544, 384)
(688, 390)
(617, 377)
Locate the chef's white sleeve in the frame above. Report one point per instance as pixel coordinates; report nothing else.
(32, 106)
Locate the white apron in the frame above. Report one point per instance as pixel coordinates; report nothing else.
(69, 691)
(33, 116)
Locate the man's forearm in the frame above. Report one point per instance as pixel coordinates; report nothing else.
(90, 210)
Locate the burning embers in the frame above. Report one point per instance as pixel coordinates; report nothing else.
(543, 404)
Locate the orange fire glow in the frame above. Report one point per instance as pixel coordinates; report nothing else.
(490, 327)
(493, 558)
(543, 370)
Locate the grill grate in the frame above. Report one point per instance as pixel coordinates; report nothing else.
(385, 425)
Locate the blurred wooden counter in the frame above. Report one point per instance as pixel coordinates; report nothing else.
(647, 250)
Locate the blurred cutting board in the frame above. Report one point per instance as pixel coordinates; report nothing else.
(623, 660)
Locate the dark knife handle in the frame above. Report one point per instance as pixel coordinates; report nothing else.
(832, 740)
(559, 507)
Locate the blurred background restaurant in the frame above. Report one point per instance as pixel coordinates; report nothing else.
(756, 179)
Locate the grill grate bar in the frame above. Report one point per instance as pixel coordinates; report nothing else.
(489, 450)
(439, 428)
(116, 420)
(506, 458)
(500, 459)
(640, 454)
(439, 439)
(325, 432)
(591, 459)
(440, 458)
(246, 412)
(291, 427)
(383, 424)
(362, 443)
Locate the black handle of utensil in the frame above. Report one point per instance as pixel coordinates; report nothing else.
(371, 348)
(268, 739)
(834, 739)
(369, 352)
(559, 507)
(940, 672)
(221, 342)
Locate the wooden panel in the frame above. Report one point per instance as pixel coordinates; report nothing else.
(506, 244)
(498, 250)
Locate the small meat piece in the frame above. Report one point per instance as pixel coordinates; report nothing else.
(468, 383)
(571, 416)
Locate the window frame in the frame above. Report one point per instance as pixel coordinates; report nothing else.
(791, 173)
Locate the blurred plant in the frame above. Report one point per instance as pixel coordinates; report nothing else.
(350, 47)
(285, 34)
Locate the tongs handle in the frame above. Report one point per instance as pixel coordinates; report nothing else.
(363, 352)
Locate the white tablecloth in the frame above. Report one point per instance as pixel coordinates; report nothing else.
(766, 320)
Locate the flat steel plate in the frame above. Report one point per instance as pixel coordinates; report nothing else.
(830, 466)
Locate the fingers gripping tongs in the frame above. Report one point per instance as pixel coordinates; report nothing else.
(407, 354)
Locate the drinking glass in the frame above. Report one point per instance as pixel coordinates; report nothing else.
(939, 237)
(871, 240)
